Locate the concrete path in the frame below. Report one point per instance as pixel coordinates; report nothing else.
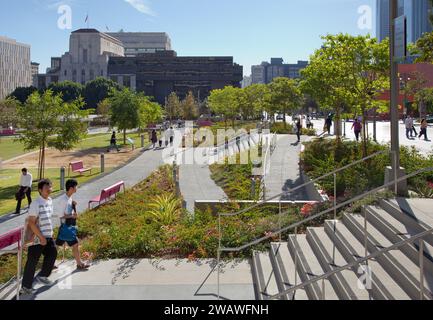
(284, 172)
(196, 184)
(132, 173)
(124, 279)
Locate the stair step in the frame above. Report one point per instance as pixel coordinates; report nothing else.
(266, 284)
(383, 286)
(309, 268)
(398, 265)
(414, 219)
(397, 231)
(345, 282)
(284, 268)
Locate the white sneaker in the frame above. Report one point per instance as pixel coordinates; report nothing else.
(44, 280)
(27, 292)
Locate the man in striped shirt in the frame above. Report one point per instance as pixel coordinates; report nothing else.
(40, 221)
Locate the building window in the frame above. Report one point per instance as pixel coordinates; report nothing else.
(92, 75)
(85, 55)
(114, 78)
(127, 81)
(66, 73)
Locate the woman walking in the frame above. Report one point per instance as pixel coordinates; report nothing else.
(423, 131)
(298, 129)
(357, 127)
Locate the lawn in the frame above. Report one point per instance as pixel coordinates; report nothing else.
(10, 147)
(9, 179)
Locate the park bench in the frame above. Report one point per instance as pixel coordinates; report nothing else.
(78, 166)
(108, 193)
(7, 132)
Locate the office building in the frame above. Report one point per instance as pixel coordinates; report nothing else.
(266, 72)
(15, 66)
(161, 73)
(136, 43)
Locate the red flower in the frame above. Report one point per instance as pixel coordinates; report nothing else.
(430, 184)
(306, 209)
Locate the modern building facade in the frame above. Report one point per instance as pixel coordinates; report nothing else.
(266, 72)
(136, 43)
(161, 73)
(35, 72)
(417, 14)
(15, 66)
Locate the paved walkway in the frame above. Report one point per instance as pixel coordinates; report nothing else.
(284, 172)
(130, 279)
(132, 173)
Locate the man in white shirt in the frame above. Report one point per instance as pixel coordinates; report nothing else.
(25, 189)
(40, 222)
(409, 124)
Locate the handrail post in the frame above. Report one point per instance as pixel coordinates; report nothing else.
(323, 289)
(296, 257)
(365, 237)
(421, 269)
(335, 196)
(219, 254)
(279, 218)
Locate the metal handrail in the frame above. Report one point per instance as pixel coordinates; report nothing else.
(317, 215)
(296, 224)
(354, 263)
(304, 184)
(269, 151)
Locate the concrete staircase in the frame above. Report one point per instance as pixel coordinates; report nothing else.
(395, 275)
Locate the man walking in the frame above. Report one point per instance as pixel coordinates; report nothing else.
(40, 223)
(357, 127)
(25, 189)
(171, 135)
(409, 125)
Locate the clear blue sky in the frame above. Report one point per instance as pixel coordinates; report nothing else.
(250, 30)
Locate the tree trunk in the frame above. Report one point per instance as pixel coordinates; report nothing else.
(124, 136)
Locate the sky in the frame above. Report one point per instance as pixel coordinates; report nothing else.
(251, 31)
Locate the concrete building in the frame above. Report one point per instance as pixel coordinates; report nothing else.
(35, 72)
(89, 52)
(15, 67)
(136, 43)
(417, 15)
(266, 72)
(246, 81)
(161, 73)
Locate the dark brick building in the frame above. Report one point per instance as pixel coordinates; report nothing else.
(158, 74)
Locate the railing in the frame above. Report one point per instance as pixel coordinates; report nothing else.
(334, 209)
(266, 165)
(353, 264)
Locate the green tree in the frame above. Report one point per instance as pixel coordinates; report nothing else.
(48, 121)
(150, 112)
(22, 93)
(285, 96)
(189, 107)
(254, 100)
(69, 90)
(225, 102)
(424, 48)
(9, 112)
(97, 90)
(346, 75)
(424, 99)
(173, 106)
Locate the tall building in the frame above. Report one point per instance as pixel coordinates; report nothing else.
(417, 15)
(35, 72)
(266, 72)
(136, 43)
(15, 67)
(161, 73)
(246, 81)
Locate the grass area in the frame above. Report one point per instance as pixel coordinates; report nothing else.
(9, 179)
(10, 147)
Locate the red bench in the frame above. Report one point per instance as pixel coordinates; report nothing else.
(78, 166)
(107, 193)
(7, 132)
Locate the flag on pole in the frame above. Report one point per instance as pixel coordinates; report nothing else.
(106, 27)
(87, 18)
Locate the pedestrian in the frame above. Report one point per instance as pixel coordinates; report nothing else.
(154, 138)
(171, 136)
(39, 226)
(357, 127)
(67, 211)
(415, 133)
(308, 122)
(328, 124)
(423, 131)
(25, 189)
(298, 129)
(113, 142)
(408, 124)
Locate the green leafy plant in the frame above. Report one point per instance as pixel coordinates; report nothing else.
(165, 209)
